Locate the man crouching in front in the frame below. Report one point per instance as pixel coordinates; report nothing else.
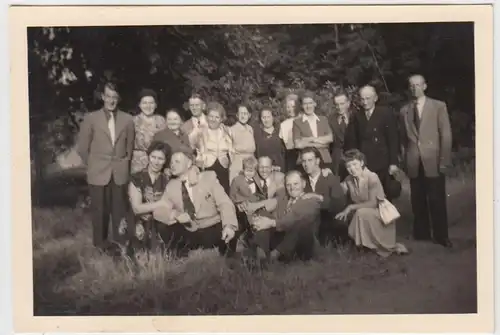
(197, 213)
(292, 234)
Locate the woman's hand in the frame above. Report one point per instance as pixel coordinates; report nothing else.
(312, 196)
(224, 161)
(326, 172)
(345, 213)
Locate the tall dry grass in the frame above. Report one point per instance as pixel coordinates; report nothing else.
(73, 278)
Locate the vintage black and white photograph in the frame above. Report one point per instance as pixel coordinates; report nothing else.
(238, 169)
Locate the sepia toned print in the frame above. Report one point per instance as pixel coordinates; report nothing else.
(383, 115)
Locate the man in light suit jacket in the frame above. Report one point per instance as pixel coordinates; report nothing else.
(197, 213)
(334, 199)
(311, 130)
(105, 144)
(426, 135)
(198, 120)
(374, 132)
(292, 233)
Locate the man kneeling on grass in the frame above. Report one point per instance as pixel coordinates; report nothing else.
(292, 234)
(196, 211)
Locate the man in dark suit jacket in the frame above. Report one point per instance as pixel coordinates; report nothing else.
(427, 153)
(339, 120)
(374, 132)
(334, 199)
(292, 233)
(105, 144)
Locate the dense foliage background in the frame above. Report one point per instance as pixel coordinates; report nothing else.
(255, 64)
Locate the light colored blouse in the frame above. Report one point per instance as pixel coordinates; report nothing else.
(215, 144)
(286, 133)
(367, 187)
(243, 140)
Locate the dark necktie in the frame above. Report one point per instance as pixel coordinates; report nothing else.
(290, 204)
(416, 117)
(264, 189)
(343, 124)
(187, 202)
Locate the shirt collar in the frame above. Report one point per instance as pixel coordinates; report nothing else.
(107, 113)
(370, 111)
(340, 116)
(420, 101)
(202, 119)
(307, 117)
(315, 179)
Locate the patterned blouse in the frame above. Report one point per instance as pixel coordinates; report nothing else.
(145, 128)
(150, 191)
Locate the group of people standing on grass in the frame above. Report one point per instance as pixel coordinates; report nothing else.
(280, 188)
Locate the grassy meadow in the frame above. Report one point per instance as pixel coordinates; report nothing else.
(72, 278)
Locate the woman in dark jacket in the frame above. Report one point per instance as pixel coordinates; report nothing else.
(267, 140)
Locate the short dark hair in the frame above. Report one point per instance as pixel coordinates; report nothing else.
(297, 172)
(160, 146)
(307, 94)
(188, 153)
(266, 108)
(353, 154)
(196, 95)
(313, 150)
(341, 93)
(245, 105)
(111, 85)
(174, 110)
(147, 92)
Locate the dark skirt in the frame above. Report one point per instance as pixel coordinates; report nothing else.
(222, 174)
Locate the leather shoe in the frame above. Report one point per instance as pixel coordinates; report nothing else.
(445, 243)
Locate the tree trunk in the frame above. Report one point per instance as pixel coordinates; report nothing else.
(38, 184)
(337, 38)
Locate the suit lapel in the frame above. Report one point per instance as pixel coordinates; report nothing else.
(410, 117)
(198, 195)
(120, 123)
(102, 122)
(308, 185)
(258, 182)
(425, 112)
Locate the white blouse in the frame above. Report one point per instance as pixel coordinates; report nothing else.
(215, 144)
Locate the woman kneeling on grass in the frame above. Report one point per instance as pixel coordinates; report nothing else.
(145, 189)
(366, 227)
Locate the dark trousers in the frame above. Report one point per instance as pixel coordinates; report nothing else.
(331, 230)
(244, 227)
(107, 200)
(297, 242)
(180, 240)
(428, 200)
(222, 174)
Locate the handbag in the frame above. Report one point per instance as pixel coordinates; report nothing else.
(388, 212)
